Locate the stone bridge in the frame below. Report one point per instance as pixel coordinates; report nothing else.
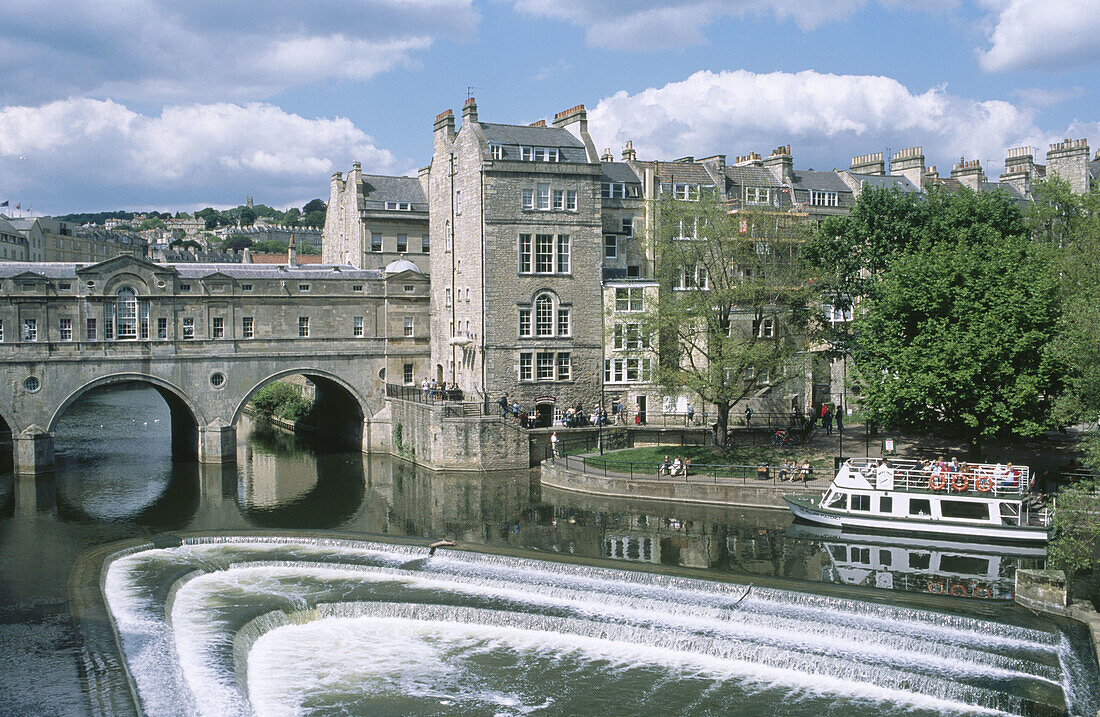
(207, 338)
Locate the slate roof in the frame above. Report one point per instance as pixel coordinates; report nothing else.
(618, 172)
(378, 189)
(510, 137)
(820, 181)
(8, 227)
(683, 173)
(63, 270)
(888, 182)
(751, 176)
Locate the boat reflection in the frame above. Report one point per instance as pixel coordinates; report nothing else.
(938, 567)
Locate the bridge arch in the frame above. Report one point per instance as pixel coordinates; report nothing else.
(173, 395)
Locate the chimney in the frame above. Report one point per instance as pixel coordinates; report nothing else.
(575, 120)
(869, 164)
(538, 123)
(716, 168)
(357, 168)
(909, 163)
(291, 259)
(629, 155)
(246, 256)
(931, 177)
(607, 156)
(1020, 169)
(1069, 159)
(781, 164)
(445, 123)
(469, 111)
(969, 173)
(752, 159)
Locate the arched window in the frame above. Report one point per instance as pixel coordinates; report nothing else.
(126, 313)
(544, 315)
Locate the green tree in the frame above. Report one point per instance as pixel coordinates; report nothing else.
(314, 219)
(212, 217)
(314, 205)
(237, 242)
(246, 217)
(270, 246)
(151, 223)
(952, 337)
(292, 217)
(733, 304)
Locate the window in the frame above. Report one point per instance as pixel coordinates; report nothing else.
(697, 279)
(185, 287)
(447, 296)
(528, 198)
(764, 328)
(626, 370)
(524, 322)
(425, 245)
(526, 371)
(458, 201)
(303, 287)
(303, 327)
(375, 241)
(861, 502)
(356, 287)
(544, 366)
(544, 316)
(162, 328)
(399, 206)
(64, 287)
(610, 247)
(408, 326)
(628, 226)
(407, 373)
(248, 327)
(126, 313)
(218, 328)
(246, 287)
(886, 504)
(188, 328)
(837, 314)
(757, 195)
(839, 501)
(563, 253)
(544, 253)
(919, 506)
(538, 154)
(1, 329)
(964, 509)
(565, 366)
(823, 199)
(448, 236)
(542, 197)
(65, 329)
(496, 151)
(403, 243)
(613, 190)
(563, 322)
(108, 328)
(629, 299)
(686, 192)
(357, 326)
(89, 330)
(559, 200)
(629, 337)
(570, 200)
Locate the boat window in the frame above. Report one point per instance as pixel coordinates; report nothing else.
(920, 506)
(968, 510)
(861, 555)
(964, 565)
(920, 561)
(885, 558)
(839, 501)
(839, 553)
(861, 502)
(1010, 513)
(886, 504)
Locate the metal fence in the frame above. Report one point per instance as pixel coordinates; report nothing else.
(791, 479)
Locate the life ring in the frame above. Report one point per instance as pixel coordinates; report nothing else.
(958, 590)
(935, 587)
(960, 482)
(937, 481)
(982, 592)
(983, 483)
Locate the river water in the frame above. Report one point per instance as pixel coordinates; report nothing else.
(285, 624)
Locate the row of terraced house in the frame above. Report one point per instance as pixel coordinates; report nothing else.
(537, 246)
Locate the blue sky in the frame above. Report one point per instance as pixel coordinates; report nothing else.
(150, 104)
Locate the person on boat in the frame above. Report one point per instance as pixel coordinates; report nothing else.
(665, 466)
(1012, 476)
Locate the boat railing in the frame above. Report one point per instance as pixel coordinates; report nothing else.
(973, 479)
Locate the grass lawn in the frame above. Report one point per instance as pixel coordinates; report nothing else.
(819, 457)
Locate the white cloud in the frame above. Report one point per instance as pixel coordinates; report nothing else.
(156, 50)
(99, 154)
(1029, 34)
(1046, 96)
(654, 24)
(826, 118)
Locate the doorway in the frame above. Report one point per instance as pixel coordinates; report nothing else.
(544, 415)
(642, 405)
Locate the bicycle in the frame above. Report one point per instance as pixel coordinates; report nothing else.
(783, 437)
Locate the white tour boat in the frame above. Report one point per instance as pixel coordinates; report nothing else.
(979, 501)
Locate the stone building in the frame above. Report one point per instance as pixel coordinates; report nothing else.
(373, 220)
(49, 239)
(517, 216)
(14, 245)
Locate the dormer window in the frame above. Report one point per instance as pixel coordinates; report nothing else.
(538, 154)
(613, 190)
(399, 206)
(686, 192)
(823, 199)
(496, 151)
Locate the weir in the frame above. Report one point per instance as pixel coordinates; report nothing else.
(224, 626)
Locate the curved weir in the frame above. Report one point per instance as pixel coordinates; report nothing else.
(298, 626)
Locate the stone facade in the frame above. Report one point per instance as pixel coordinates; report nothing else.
(206, 336)
(47, 239)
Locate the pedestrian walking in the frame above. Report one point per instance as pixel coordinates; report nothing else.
(690, 413)
(503, 402)
(554, 444)
(827, 419)
(840, 419)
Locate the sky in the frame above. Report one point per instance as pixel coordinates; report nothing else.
(149, 104)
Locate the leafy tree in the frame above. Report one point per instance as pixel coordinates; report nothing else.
(314, 219)
(1076, 528)
(237, 242)
(246, 217)
(733, 304)
(1056, 214)
(212, 217)
(151, 223)
(292, 216)
(308, 249)
(270, 246)
(952, 337)
(314, 205)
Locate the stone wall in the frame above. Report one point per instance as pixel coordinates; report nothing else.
(421, 433)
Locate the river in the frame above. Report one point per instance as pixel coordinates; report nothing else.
(491, 631)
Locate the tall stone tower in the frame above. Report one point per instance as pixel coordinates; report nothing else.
(1069, 159)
